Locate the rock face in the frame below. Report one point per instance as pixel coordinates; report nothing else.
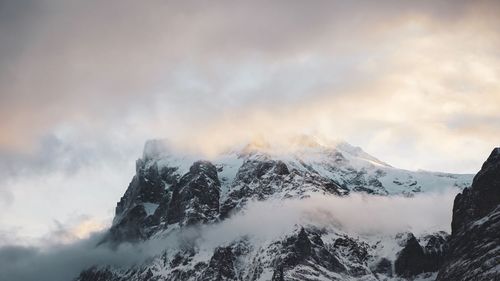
(415, 259)
(94, 274)
(195, 198)
(474, 248)
(160, 195)
(221, 266)
(136, 211)
(308, 249)
(261, 177)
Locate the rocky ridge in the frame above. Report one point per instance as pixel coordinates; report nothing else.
(181, 189)
(474, 246)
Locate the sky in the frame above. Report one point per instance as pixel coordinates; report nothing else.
(83, 84)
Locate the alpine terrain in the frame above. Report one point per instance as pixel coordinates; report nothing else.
(175, 201)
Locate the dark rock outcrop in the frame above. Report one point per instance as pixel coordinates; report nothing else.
(150, 187)
(483, 196)
(411, 260)
(474, 248)
(308, 248)
(195, 199)
(221, 266)
(94, 274)
(158, 196)
(414, 258)
(383, 266)
(356, 252)
(261, 177)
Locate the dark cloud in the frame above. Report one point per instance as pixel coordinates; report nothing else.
(59, 263)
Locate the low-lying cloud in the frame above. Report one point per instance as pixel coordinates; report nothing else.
(356, 214)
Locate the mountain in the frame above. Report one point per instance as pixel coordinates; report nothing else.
(171, 188)
(475, 239)
(185, 196)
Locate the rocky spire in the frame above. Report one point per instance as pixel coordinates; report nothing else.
(473, 249)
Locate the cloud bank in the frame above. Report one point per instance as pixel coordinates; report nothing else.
(260, 221)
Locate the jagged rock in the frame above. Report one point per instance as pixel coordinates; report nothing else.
(355, 249)
(435, 249)
(411, 260)
(94, 274)
(138, 210)
(261, 178)
(182, 258)
(281, 168)
(190, 199)
(383, 266)
(195, 199)
(221, 266)
(355, 252)
(414, 258)
(308, 248)
(483, 196)
(474, 251)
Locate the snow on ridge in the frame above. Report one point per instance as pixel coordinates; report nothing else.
(150, 208)
(346, 165)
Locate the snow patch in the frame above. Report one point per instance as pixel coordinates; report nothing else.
(150, 208)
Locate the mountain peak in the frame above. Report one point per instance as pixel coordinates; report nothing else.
(171, 182)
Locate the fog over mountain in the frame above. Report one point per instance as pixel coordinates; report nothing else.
(337, 194)
(262, 220)
(196, 114)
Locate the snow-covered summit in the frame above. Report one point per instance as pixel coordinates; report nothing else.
(348, 166)
(168, 188)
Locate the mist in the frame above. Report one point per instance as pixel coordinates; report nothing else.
(356, 215)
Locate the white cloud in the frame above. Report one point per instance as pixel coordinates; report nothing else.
(260, 221)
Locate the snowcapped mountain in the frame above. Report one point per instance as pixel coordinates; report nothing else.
(183, 195)
(174, 188)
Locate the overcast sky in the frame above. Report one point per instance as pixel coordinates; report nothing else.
(84, 83)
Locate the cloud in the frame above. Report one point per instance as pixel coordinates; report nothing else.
(61, 262)
(84, 83)
(166, 61)
(260, 221)
(40, 196)
(77, 228)
(356, 214)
